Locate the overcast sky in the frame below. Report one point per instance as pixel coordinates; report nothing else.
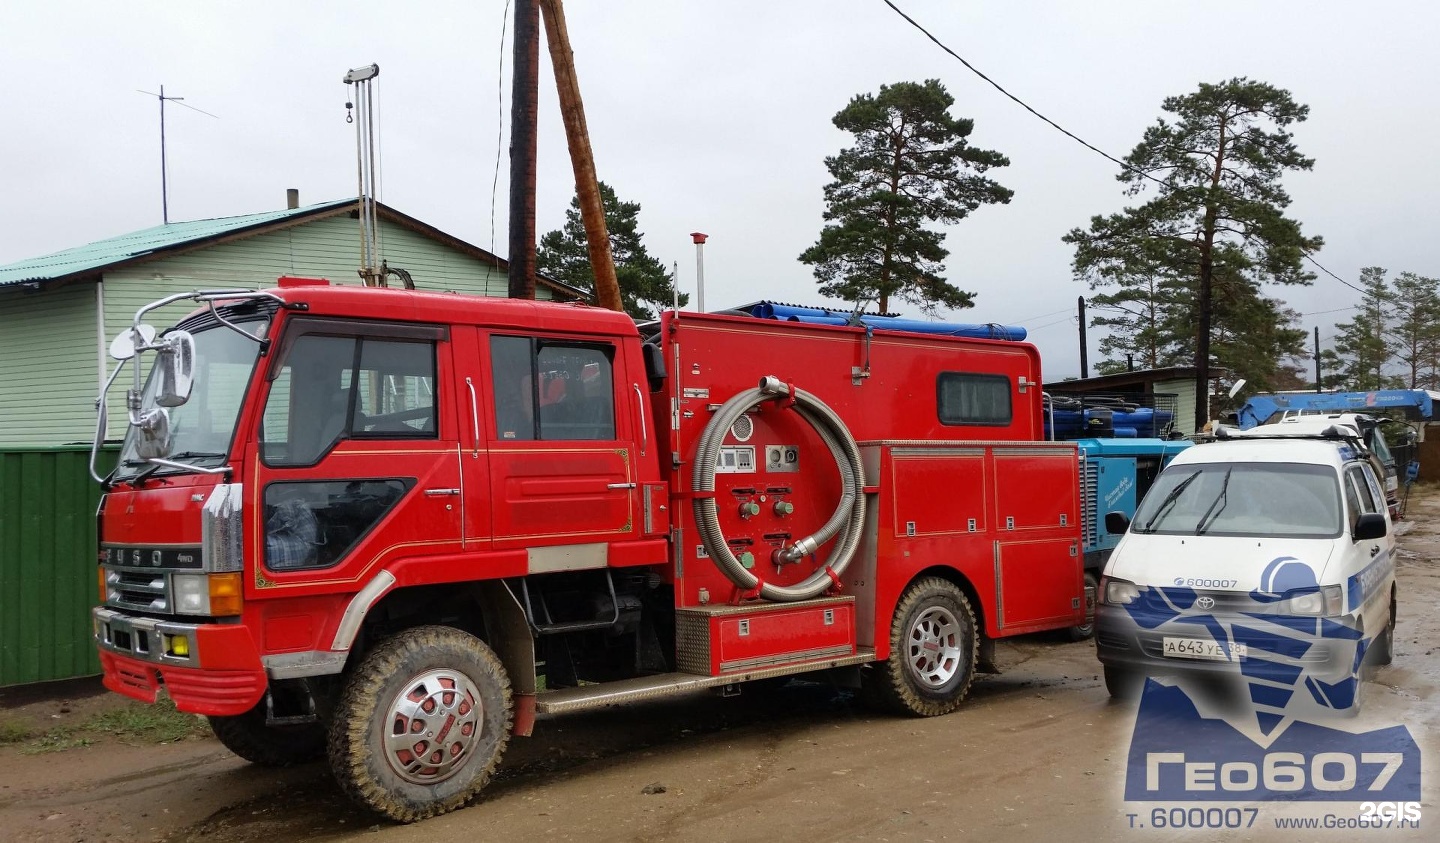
(715, 117)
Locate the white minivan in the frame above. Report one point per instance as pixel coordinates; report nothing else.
(1261, 563)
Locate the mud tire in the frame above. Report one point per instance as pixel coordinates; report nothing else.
(247, 736)
(362, 761)
(899, 685)
(1123, 684)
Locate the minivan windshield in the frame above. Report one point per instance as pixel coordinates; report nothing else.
(1243, 499)
(202, 427)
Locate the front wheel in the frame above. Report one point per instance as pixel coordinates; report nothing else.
(249, 737)
(1123, 684)
(421, 724)
(1384, 646)
(933, 643)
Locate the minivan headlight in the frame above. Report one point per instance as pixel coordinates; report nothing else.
(1327, 601)
(1119, 592)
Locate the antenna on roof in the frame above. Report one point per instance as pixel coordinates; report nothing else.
(164, 180)
(370, 272)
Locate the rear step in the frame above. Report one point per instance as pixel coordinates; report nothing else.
(586, 697)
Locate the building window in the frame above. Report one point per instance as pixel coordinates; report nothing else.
(967, 398)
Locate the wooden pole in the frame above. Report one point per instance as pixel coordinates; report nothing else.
(523, 107)
(587, 185)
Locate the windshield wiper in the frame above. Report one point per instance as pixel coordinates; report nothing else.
(1216, 506)
(1169, 501)
(196, 455)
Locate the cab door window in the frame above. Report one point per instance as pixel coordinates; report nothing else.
(331, 388)
(1359, 493)
(549, 390)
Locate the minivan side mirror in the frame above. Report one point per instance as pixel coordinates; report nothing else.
(1118, 522)
(1371, 525)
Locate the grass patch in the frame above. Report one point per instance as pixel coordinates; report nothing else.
(12, 732)
(133, 723)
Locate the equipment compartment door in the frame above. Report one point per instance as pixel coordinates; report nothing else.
(1038, 584)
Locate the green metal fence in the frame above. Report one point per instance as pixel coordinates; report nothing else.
(47, 562)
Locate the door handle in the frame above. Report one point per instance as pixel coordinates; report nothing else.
(620, 486)
(438, 493)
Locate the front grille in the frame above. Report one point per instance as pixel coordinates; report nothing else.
(137, 590)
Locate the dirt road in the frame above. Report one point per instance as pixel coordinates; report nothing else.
(1037, 752)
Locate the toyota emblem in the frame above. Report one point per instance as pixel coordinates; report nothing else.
(1206, 602)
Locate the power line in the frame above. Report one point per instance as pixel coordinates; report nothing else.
(1068, 133)
(1041, 316)
(996, 85)
(1336, 310)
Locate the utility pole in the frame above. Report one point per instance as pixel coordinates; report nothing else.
(523, 108)
(1318, 388)
(582, 158)
(1084, 351)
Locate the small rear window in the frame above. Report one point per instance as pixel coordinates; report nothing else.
(968, 398)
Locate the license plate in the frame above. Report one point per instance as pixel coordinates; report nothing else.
(1199, 648)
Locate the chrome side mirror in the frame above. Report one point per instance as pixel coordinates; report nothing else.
(129, 341)
(175, 364)
(152, 434)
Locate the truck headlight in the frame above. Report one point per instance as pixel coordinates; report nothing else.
(1327, 601)
(1119, 592)
(192, 594)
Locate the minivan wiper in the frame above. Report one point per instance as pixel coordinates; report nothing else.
(1169, 501)
(1216, 506)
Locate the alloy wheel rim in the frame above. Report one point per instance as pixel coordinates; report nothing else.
(432, 726)
(935, 647)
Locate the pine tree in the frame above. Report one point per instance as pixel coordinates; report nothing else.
(1362, 347)
(911, 165)
(1218, 208)
(645, 285)
(1415, 332)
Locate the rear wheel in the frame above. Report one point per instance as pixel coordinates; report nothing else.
(1087, 629)
(933, 643)
(1123, 684)
(421, 724)
(249, 737)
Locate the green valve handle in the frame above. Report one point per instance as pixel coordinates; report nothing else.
(747, 559)
(749, 508)
(784, 507)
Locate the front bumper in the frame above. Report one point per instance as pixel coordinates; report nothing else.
(219, 673)
(1280, 648)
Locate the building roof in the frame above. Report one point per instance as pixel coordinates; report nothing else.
(1142, 378)
(91, 259)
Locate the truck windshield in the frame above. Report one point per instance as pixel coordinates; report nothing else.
(1243, 499)
(201, 428)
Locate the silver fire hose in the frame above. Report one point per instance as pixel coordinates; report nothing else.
(845, 525)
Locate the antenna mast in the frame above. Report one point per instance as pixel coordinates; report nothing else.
(370, 272)
(164, 178)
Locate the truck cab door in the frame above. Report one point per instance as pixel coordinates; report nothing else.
(563, 459)
(355, 462)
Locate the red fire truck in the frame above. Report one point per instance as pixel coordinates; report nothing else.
(396, 526)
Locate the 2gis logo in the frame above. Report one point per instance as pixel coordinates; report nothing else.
(1390, 812)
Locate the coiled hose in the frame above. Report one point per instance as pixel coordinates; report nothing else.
(845, 524)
